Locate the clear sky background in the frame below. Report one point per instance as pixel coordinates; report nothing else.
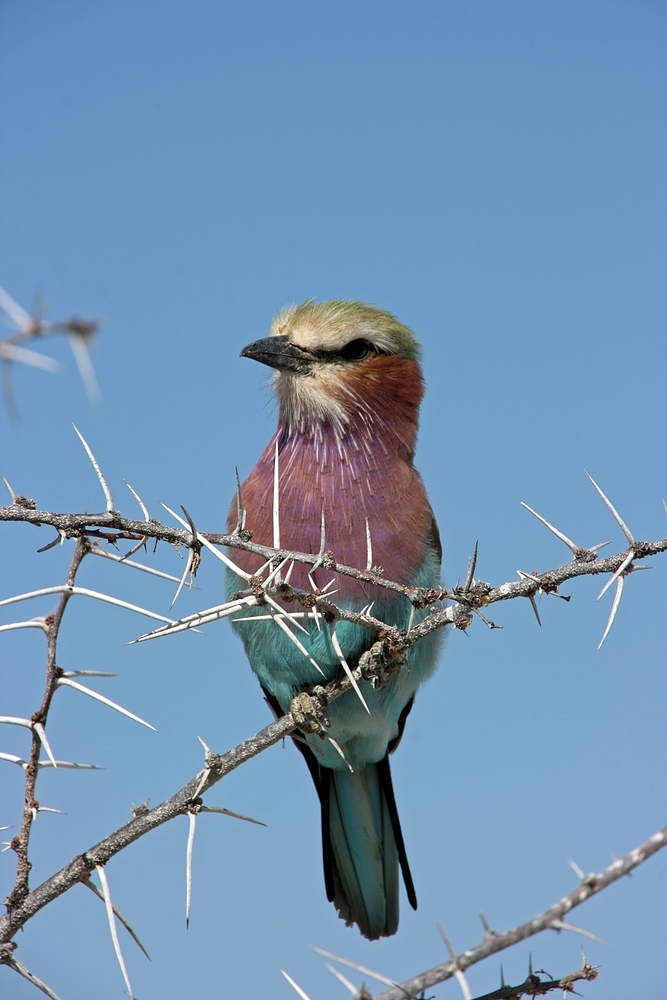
(493, 173)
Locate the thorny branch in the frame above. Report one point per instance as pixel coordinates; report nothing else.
(78, 331)
(113, 528)
(534, 986)
(308, 709)
(550, 919)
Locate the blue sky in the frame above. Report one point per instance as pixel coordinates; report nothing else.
(493, 173)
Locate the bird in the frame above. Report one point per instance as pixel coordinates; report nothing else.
(348, 383)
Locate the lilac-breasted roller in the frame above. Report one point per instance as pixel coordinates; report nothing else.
(349, 385)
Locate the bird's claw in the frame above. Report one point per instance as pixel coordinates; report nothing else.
(307, 712)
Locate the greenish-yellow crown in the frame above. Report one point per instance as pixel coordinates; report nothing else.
(330, 326)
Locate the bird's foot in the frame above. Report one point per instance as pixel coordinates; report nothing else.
(378, 665)
(309, 711)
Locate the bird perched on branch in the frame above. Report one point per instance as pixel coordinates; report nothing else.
(348, 383)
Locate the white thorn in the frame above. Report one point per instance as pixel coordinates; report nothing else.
(323, 536)
(275, 573)
(112, 926)
(353, 965)
(624, 565)
(16, 313)
(14, 964)
(619, 519)
(295, 986)
(192, 820)
(279, 621)
(286, 614)
(65, 681)
(342, 979)
(103, 482)
(614, 607)
(560, 925)
(181, 582)
(9, 490)
(133, 565)
(369, 549)
(192, 622)
(534, 607)
(85, 366)
(570, 544)
(344, 664)
(141, 503)
(205, 542)
(228, 812)
(33, 623)
(41, 732)
(11, 352)
(124, 921)
(458, 974)
(276, 500)
(338, 749)
(576, 869)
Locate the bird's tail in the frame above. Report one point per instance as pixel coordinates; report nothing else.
(362, 848)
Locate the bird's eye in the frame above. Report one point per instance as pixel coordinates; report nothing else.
(356, 350)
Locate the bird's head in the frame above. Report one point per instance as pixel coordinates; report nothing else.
(336, 362)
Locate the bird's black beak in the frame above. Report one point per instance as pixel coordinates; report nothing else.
(278, 352)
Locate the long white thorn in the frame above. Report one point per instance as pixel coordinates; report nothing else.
(560, 925)
(9, 490)
(531, 598)
(84, 364)
(41, 732)
(276, 500)
(14, 964)
(144, 509)
(275, 573)
(33, 623)
(16, 313)
(624, 565)
(133, 565)
(344, 664)
(576, 869)
(458, 974)
(619, 519)
(192, 821)
(181, 582)
(342, 979)
(192, 622)
(98, 471)
(205, 542)
(614, 607)
(11, 352)
(353, 965)
(112, 926)
(229, 812)
(286, 614)
(339, 750)
(84, 592)
(11, 758)
(369, 548)
(295, 986)
(66, 682)
(559, 534)
(88, 673)
(292, 616)
(124, 921)
(288, 632)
